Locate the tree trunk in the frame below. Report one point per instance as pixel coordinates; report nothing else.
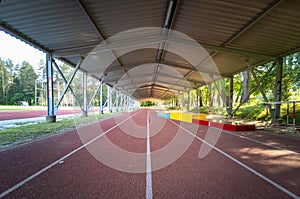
(245, 86)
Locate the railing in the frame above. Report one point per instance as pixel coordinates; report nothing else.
(288, 103)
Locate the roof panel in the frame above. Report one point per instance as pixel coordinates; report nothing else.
(234, 31)
(115, 16)
(276, 33)
(215, 21)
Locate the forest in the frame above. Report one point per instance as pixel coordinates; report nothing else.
(22, 83)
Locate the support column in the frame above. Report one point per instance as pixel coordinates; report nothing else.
(84, 102)
(230, 105)
(278, 88)
(127, 103)
(101, 98)
(188, 101)
(117, 101)
(197, 100)
(51, 117)
(121, 101)
(210, 98)
(109, 99)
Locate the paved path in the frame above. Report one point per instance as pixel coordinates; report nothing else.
(85, 163)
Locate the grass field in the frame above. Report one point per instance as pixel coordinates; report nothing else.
(18, 135)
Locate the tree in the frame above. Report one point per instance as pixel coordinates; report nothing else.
(27, 77)
(245, 85)
(4, 82)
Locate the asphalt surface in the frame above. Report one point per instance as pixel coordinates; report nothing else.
(91, 162)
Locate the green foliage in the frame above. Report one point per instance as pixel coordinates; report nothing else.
(256, 111)
(17, 82)
(20, 82)
(147, 104)
(251, 112)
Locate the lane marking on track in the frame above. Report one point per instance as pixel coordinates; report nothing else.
(149, 194)
(257, 141)
(291, 194)
(3, 194)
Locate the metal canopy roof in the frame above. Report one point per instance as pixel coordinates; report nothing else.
(117, 44)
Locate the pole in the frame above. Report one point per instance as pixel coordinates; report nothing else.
(287, 113)
(101, 98)
(109, 99)
(117, 101)
(188, 100)
(230, 98)
(84, 90)
(35, 92)
(267, 113)
(51, 117)
(294, 114)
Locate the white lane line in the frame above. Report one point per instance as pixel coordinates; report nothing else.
(149, 194)
(291, 194)
(3, 194)
(263, 143)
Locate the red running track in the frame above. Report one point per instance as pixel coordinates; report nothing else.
(243, 165)
(12, 115)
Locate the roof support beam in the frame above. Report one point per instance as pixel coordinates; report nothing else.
(15, 33)
(167, 63)
(66, 81)
(150, 40)
(178, 79)
(162, 82)
(170, 15)
(68, 84)
(93, 23)
(267, 10)
(170, 90)
(90, 18)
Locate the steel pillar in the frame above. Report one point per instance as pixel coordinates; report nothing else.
(84, 100)
(278, 88)
(109, 102)
(101, 98)
(51, 117)
(230, 105)
(121, 101)
(117, 101)
(188, 101)
(197, 100)
(210, 97)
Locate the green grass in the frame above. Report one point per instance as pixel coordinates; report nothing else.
(19, 135)
(258, 112)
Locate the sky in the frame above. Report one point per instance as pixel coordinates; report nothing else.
(18, 51)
